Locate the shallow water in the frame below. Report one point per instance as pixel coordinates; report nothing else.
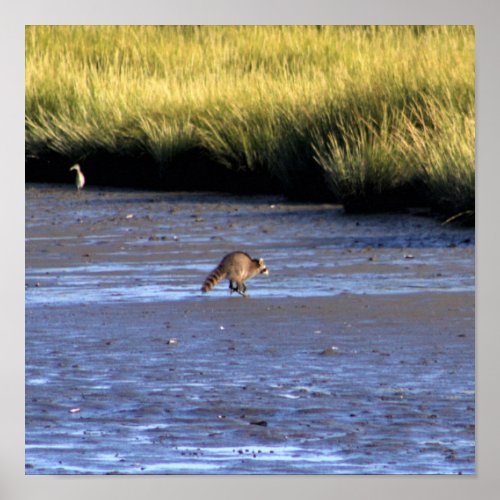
(248, 385)
(149, 246)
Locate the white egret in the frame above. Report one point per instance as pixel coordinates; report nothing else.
(80, 179)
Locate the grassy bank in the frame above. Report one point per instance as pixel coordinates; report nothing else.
(373, 117)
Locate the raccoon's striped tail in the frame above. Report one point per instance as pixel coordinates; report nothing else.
(212, 279)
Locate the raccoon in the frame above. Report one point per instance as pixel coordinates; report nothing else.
(237, 267)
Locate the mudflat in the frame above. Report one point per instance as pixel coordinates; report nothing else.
(355, 355)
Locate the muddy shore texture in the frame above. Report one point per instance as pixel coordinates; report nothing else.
(355, 356)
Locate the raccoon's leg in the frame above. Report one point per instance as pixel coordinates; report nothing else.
(233, 286)
(241, 289)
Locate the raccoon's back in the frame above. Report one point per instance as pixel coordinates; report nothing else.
(236, 259)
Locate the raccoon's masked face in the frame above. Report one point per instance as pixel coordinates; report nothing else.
(262, 267)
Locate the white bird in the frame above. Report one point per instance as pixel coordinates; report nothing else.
(80, 179)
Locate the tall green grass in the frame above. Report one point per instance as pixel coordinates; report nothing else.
(373, 117)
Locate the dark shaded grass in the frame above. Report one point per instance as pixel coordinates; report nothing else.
(189, 171)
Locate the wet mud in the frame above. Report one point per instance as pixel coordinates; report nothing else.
(354, 356)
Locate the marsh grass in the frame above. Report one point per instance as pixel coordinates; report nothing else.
(374, 117)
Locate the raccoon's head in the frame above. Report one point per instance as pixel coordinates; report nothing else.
(262, 267)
